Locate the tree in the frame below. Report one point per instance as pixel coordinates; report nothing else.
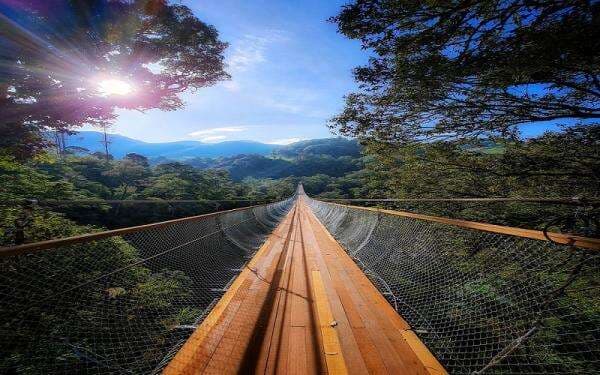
(168, 186)
(105, 139)
(316, 184)
(269, 189)
(445, 69)
(126, 174)
(562, 164)
(57, 52)
(137, 159)
(554, 165)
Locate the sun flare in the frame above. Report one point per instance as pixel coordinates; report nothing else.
(114, 87)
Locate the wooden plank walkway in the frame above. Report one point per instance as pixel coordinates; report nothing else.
(302, 306)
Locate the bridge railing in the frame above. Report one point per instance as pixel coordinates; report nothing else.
(121, 301)
(484, 298)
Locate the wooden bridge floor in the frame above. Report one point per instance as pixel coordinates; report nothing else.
(302, 306)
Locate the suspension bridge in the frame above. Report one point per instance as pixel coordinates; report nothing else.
(303, 286)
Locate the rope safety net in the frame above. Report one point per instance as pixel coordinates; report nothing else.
(125, 303)
(482, 302)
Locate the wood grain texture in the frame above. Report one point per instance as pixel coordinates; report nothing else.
(302, 306)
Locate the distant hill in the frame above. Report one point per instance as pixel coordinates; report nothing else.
(121, 145)
(330, 156)
(259, 166)
(335, 147)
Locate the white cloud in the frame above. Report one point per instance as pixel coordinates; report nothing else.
(250, 50)
(246, 56)
(285, 141)
(213, 138)
(229, 129)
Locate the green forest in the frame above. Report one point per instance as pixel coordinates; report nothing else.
(439, 110)
(556, 165)
(472, 147)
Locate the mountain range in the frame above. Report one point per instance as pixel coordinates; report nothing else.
(329, 156)
(120, 146)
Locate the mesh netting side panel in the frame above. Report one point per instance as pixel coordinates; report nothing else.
(122, 304)
(248, 236)
(351, 227)
(482, 301)
(269, 216)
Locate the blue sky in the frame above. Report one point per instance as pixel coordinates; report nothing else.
(290, 70)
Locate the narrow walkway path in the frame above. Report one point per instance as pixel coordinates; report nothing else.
(302, 306)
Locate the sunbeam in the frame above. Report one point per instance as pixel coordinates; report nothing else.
(113, 86)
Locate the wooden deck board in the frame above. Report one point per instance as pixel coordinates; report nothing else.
(302, 306)
(349, 345)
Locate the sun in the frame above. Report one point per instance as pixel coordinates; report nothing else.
(114, 87)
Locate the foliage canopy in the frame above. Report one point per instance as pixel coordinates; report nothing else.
(57, 52)
(444, 69)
